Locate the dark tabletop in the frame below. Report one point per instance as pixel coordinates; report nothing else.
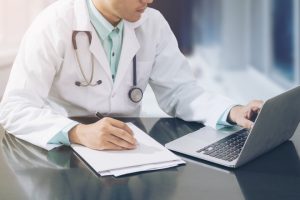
(28, 172)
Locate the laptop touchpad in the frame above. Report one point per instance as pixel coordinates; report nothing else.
(198, 139)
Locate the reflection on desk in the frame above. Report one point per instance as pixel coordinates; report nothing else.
(60, 174)
(278, 170)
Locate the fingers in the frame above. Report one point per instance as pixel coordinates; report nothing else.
(246, 115)
(245, 123)
(256, 104)
(116, 141)
(114, 135)
(251, 113)
(123, 135)
(122, 131)
(119, 124)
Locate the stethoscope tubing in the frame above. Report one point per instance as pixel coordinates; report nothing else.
(135, 93)
(134, 71)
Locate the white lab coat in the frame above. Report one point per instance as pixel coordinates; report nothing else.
(41, 94)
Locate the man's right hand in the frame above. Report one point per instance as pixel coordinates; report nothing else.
(106, 134)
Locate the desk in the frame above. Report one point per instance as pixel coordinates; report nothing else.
(28, 172)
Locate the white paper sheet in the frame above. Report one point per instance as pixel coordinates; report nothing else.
(149, 155)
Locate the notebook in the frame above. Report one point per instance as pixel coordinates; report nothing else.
(148, 155)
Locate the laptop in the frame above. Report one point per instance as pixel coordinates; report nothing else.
(276, 123)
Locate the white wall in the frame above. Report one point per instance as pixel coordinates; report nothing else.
(15, 17)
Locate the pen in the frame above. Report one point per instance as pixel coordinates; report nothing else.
(99, 116)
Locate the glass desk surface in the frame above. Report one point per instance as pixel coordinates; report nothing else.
(29, 172)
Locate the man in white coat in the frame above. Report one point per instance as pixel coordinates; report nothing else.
(80, 57)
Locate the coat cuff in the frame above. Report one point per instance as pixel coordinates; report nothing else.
(222, 122)
(62, 137)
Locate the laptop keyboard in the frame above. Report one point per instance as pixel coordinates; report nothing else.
(228, 148)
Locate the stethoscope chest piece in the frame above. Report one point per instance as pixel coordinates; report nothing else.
(135, 94)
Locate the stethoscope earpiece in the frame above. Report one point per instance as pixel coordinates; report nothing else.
(99, 82)
(77, 83)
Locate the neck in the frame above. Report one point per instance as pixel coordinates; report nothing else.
(107, 14)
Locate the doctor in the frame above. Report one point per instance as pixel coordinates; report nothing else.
(80, 57)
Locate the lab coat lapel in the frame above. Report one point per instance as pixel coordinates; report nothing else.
(82, 23)
(130, 47)
(97, 50)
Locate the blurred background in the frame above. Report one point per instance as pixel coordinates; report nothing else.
(243, 49)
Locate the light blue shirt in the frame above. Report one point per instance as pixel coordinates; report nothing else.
(222, 122)
(111, 39)
(62, 137)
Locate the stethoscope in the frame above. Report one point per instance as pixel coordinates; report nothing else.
(135, 94)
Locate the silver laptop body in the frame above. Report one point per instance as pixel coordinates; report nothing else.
(276, 123)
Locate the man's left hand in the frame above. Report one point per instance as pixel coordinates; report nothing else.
(243, 115)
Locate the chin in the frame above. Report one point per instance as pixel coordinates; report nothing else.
(134, 18)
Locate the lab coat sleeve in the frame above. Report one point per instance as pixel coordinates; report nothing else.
(24, 110)
(175, 87)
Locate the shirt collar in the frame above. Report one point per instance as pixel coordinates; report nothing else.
(103, 27)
